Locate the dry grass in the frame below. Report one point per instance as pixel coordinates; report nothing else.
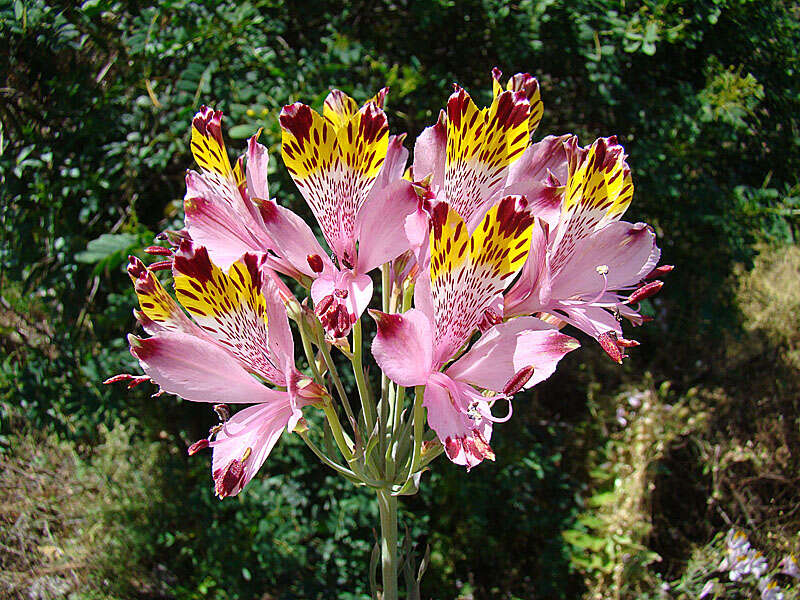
(63, 517)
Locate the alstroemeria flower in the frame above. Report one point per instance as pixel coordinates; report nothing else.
(349, 170)
(466, 273)
(580, 261)
(239, 336)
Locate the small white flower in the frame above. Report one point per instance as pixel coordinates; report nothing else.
(789, 566)
(707, 589)
(758, 563)
(770, 590)
(740, 566)
(737, 541)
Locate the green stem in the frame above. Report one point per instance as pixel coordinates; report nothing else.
(336, 428)
(337, 382)
(419, 431)
(309, 352)
(358, 371)
(388, 511)
(347, 473)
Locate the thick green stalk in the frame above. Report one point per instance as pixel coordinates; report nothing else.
(388, 511)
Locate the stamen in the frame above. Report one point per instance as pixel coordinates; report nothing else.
(323, 305)
(601, 270)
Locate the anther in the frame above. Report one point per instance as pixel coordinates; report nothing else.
(315, 262)
(660, 271)
(518, 381)
(323, 305)
(158, 251)
(223, 412)
(340, 293)
(197, 446)
(161, 265)
(646, 291)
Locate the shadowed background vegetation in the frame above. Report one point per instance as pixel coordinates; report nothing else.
(610, 482)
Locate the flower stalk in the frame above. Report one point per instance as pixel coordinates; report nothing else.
(387, 506)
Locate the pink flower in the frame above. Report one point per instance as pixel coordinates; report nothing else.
(465, 274)
(239, 336)
(583, 256)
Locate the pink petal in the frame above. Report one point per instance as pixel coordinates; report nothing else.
(218, 220)
(229, 307)
(506, 349)
(628, 250)
(417, 229)
(533, 175)
(394, 165)
(523, 297)
(281, 343)
(403, 346)
(430, 152)
(257, 167)
(245, 441)
(197, 370)
(381, 225)
(465, 437)
(294, 239)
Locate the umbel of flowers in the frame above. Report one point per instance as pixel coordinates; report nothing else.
(482, 249)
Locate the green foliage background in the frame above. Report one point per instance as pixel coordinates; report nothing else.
(95, 104)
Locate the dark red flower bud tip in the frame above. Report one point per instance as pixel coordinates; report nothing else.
(646, 291)
(315, 262)
(660, 271)
(197, 446)
(518, 381)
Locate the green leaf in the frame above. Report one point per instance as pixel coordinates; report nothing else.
(108, 251)
(240, 132)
